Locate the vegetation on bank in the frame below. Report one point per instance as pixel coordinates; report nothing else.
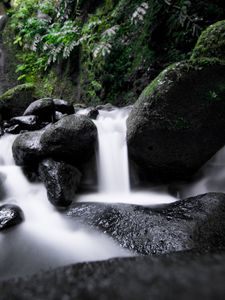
(103, 51)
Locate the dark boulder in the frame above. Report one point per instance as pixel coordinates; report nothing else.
(10, 215)
(184, 275)
(43, 108)
(71, 139)
(93, 114)
(27, 148)
(193, 223)
(61, 181)
(178, 122)
(14, 101)
(63, 106)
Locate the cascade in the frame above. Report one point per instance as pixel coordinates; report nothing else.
(46, 238)
(113, 171)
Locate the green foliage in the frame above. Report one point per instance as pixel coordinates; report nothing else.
(122, 44)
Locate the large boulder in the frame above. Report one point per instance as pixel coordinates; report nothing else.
(211, 42)
(61, 181)
(185, 276)
(15, 101)
(27, 148)
(72, 139)
(193, 223)
(10, 215)
(178, 122)
(43, 108)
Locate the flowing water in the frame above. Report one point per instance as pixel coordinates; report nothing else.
(47, 239)
(113, 167)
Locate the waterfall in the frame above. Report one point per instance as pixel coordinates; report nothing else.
(113, 170)
(113, 165)
(46, 238)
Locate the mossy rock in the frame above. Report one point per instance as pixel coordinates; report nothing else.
(178, 122)
(211, 43)
(15, 101)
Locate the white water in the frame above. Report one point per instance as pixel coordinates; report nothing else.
(113, 168)
(46, 239)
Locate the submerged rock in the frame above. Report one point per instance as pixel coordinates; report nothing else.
(185, 276)
(61, 181)
(63, 106)
(178, 122)
(193, 223)
(93, 113)
(71, 139)
(43, 108)
(27, 148)
(10, 215)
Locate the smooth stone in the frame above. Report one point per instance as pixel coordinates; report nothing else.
(10, 215)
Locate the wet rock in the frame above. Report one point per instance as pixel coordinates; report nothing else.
(10, 215)
(193, 223)
(71, 139)
(27, 148)
(79, 106)
(43, 108)
(63, 106)
(186, 275)
(26, 122)
(14, 129)
(176, 116)
(61, 181)
(107, 106)
(93, 113)
(14, 101)
(59, 116)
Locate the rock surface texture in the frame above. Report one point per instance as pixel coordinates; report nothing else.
(172, 125)
(61, 181)
(182, 275)
(71, 139)
(10, 215)
(193, 223)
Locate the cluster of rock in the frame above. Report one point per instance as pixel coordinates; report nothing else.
(57, 150)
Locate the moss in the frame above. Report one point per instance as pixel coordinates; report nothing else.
(17, 90)
(211, 43)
